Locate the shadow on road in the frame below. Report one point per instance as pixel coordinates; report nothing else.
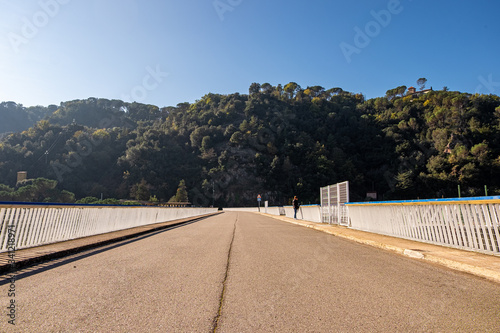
(50, 264)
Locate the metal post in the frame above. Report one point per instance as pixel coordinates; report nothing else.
(321, 204)
(339, 216)
(329, 206)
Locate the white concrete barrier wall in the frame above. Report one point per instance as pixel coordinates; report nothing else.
(273, 210)
(243, 209)
(306, 212)
(24, 226)
(465, 223)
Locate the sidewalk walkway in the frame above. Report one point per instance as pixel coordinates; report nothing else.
(30, 256)
(479, 264)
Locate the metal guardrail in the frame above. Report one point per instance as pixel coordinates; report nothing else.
(465, 223)
(24, 225)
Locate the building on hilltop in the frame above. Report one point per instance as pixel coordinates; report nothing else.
(21, 176)
(413, 91)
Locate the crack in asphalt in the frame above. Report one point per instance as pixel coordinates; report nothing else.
(223, 291)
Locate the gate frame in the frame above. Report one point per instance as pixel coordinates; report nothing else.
(333, 199)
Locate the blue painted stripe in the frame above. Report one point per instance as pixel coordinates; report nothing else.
(423, 201)
(21, 203)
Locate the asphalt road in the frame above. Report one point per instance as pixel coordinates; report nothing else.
(242, 272)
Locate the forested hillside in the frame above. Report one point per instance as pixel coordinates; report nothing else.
(276, 141)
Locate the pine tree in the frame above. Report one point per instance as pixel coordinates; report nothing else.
(181, 195)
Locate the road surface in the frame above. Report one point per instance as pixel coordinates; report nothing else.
(243, 272)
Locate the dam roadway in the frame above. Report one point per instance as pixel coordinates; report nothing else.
(244, 272)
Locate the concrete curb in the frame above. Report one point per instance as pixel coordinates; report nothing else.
(479, 271)
(466, 268)
(7, 268)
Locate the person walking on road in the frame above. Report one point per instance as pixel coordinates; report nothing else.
(295, 206)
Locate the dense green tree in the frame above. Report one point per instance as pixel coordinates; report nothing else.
(291, 89)
(181, 194)
(87, 200)
(254, 89)
(275, 141)
(421, 83)
(36, 190)
(141, 191)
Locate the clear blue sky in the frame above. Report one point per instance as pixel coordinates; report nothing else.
(165, 52)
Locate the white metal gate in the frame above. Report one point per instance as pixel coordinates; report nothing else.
(333, 208)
